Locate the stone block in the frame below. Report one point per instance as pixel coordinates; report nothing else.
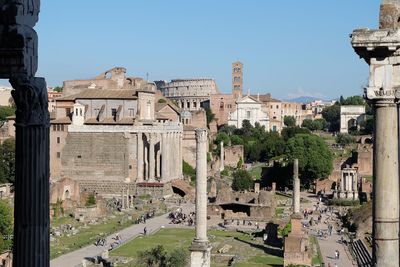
(18, 51)
(20, 12)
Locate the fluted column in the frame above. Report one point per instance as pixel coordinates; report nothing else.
(296, 187)
(180, 158)
(31, 213)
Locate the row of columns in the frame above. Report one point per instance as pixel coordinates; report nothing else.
(349, 182)
(159, 156)
(190, 104)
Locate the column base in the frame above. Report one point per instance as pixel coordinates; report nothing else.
(200, 254)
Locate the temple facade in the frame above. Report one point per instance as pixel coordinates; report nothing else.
(115, 137)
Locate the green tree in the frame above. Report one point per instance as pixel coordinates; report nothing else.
(289, 132)
(354, 100)
(345, 139)
(272, 146)
(242, 180)
(315, 157)
(332, 116)
(159, 257)
(236, 140)
(289, 121)
(58, 89)
(210, 116)
(188, 170)
(5, 112)
(308, 124)
(367, 126)
(7, 161)
(222, 137)
(320, 124)
(6, 225)
(247, 128)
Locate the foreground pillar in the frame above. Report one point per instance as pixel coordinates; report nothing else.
(31, 213)
(200, 248)
(296, 187)
(381, 50)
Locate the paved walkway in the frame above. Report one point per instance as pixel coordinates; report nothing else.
(329, 244)
(75, 258)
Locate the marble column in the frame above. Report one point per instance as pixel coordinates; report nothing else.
(164, 156)
(380, 49)
(31, 213)
(296, 187)
(201, 248)
(140, 157)
(146, 163)
(123, 199)
(128, 204)
(180, 157)
(222, 156)
(152, 165)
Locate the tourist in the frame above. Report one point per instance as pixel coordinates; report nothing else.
(145, 231)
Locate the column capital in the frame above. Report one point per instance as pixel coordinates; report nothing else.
(30, 97)
(201, 135)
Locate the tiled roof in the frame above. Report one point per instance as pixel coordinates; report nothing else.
(100, 94)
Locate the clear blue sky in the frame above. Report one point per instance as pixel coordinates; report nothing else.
(288, 48)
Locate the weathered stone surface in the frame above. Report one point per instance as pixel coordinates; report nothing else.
(18, 51)
(30, 97)
(389, 17)
(20, 12)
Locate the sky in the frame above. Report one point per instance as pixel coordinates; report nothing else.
(289, 48)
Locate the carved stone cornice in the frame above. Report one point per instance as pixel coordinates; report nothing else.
(30, 97)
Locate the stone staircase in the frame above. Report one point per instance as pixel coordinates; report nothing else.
(362, 255)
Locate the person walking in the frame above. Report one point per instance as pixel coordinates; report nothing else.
(145, 231)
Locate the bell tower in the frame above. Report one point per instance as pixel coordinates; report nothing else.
(237, 79)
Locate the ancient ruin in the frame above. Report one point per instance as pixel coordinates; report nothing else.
(297, 249)
(351, 117)
(381, 50)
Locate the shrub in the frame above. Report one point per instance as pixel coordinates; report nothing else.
(91, 200)
(188, 170)
(242, 180)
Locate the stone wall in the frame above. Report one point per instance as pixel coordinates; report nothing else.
(92, 156)
(65, 189)
(199, 119)
(321, 185)
(58, 135)
(364, 159)
(189, 146)
(233, 155)
(221, 106)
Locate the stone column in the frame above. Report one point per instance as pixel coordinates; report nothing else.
(180, 158)
(152, 164)
(380, 49)
(222, 156)
(128, 204)
(31, 213)
(386, 186)
(296, 187)
(164, 156)
(139, 157)
(200, 248)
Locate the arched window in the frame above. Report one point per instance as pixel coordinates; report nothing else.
(221, 105)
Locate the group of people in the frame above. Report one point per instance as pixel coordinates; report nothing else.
(178, 217)
(144, 217)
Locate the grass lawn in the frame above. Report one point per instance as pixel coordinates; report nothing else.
(317, 257)
(88, 235)
(250, 252)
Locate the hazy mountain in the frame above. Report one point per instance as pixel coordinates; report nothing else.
(304, 99)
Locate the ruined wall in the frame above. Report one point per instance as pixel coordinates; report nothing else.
(65, 189)
(189, 146)
(233, 155)
(364, 159)
(199, 119)
(321, 185)
(95, 156)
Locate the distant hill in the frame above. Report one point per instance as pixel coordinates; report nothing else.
(304, 99)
